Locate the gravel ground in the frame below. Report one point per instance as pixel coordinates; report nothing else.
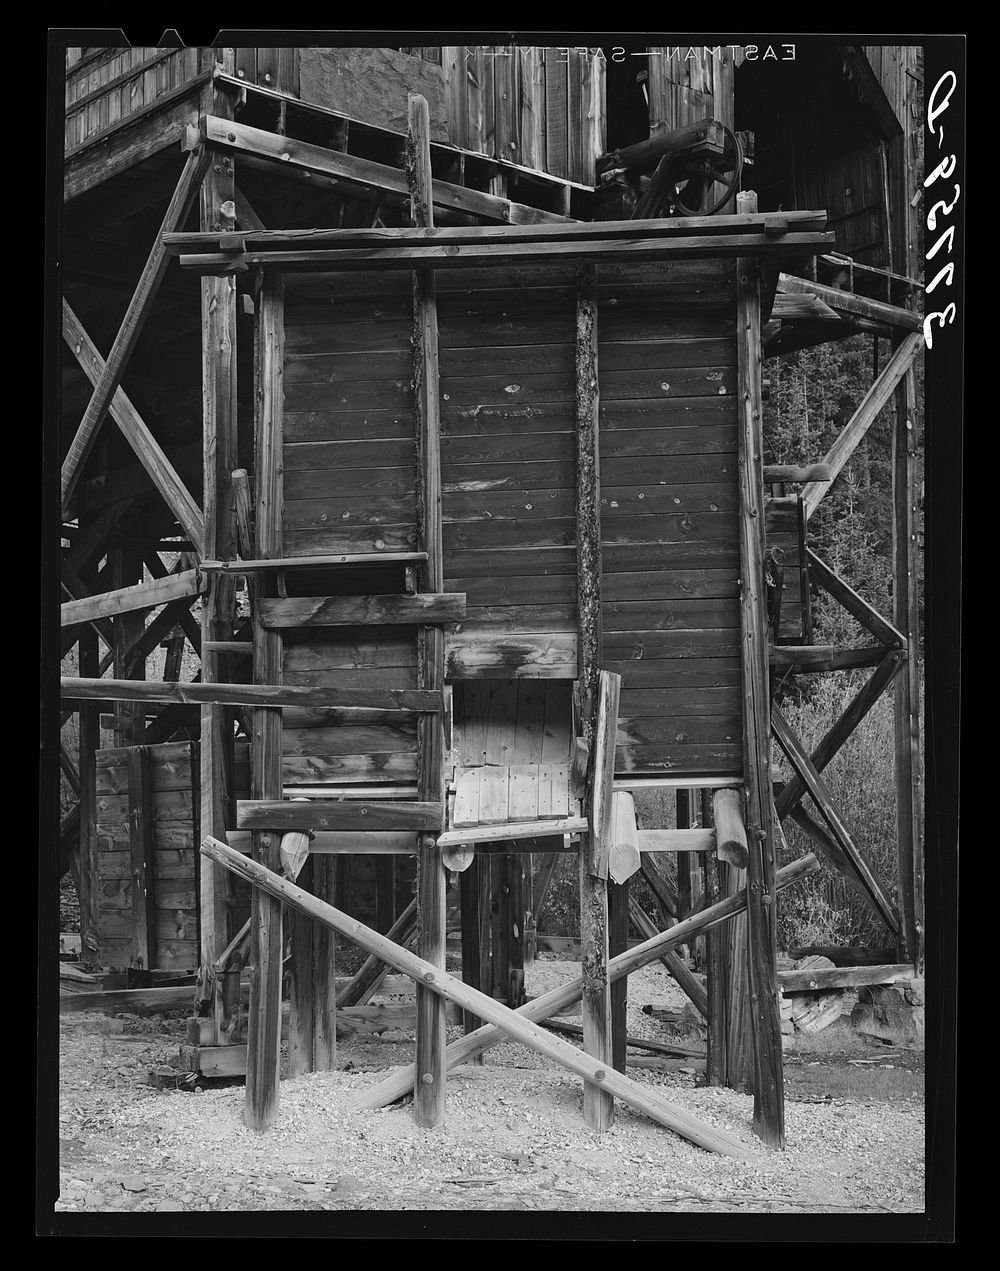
(514, 1137)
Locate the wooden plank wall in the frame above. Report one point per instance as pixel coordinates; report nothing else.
(173, 781)
(508, 464)
(670, 556)
(103, 92)
(668, 511)
(683, 89)
(850, 186)
(350, 486)
(542, 108)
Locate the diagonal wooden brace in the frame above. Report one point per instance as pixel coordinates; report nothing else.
(444, 985)
(133, 322)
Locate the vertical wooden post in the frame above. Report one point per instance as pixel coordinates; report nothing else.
(768, 1121)
(140, 839)
(264, 1030)
(468, 885)
(300, 986)
(682, 819)
(598, 1105)
(429, 1093)
(324, 977)
(219, 404)
(126, 569)
(90, 740)
(715, 1060)
(618, 907)
(906, 686)
(513, 926)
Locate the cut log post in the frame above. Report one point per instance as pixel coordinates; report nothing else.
(429, 1097)
(730, 830)
(514, 1023)
(769, 1120)
(559, 999)
(624, 857)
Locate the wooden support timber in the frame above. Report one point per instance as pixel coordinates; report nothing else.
(906, 700)
(450, 256)
(850, 305)
(856, 605)
(447, 987)
(352, 611)
(560, 236)
(219, 459)
(820, 795)
(380, 699)
(133, 428)
(264, 1030)
(764, 1012)
(112, 604)
(429, 1091)
(559, 999)
(351, 172)
(132, 324)
(831, 742)
(867, 412)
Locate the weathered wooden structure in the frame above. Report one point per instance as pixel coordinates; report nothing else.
(450, 470)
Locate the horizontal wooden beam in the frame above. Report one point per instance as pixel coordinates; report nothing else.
(821, 657)
(425, 609)
(850, 304)
(474, 655)
(387, 699)
(774, 472)
(311, 562)
(353, 171)
(158, 467)
(513, 830)
(450, 256)
(465, 236)
(110, 604)
(856, 605)
(867, 412)
(517, 1026)
(676, 840)
(818, 980)
(675, 783)
(345, 814)
(344, 842)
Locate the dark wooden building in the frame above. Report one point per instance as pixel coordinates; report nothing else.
(433, 399)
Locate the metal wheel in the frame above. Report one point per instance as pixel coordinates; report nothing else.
(694, 194)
